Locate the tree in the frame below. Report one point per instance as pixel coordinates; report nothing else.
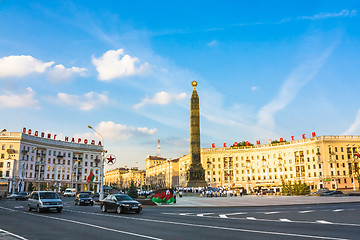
(30, 187)
(276, 141)
(132, 191)
(243, 144)
(298, 188)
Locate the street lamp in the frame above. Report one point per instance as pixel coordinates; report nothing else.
(102, 165)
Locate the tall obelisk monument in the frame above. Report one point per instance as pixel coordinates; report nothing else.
(195, 173)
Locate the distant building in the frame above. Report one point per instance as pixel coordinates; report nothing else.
(46, 163)
(162, 172)
(122, 177)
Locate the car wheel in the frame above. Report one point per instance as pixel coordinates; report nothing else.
(137, 211)
(38, 209)
(29, 208)
(59, 210)
(92, 204)
(75, 203)
(103, 208)
(118, 210)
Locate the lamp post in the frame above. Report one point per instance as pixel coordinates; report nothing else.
(102, 165)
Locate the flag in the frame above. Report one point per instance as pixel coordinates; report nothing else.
(91, 177)
(164, 197)
(357, 155)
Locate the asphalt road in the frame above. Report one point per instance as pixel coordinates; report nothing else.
(322, 221)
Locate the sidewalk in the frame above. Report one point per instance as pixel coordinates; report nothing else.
(253, 200)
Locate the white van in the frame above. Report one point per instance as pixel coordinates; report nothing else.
(70, 192)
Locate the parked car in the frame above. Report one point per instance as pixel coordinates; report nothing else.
(44, 200)
(120, 203)
(14, 195)
(83, 199)
(319, 192)
(70, 192)
(332, 193)
(22, 196)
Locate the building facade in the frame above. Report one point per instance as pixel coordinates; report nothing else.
(162, 172)
(321, 162)
(122, 177)
(47, 163)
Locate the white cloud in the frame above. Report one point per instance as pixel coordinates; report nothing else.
(119, 132)
(342, 13)
(60, 73)
(23, 100)
(254, 88)
(116, 64)
(354, 126)
(19, 66)
(162, 98)
(297, 79)
(213, 43)
(86, 102)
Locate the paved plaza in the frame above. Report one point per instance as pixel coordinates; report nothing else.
(254, 200)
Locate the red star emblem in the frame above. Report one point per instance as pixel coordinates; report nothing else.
(110, 159)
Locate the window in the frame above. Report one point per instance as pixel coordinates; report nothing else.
(1, 164)
(8, 164)
(2, 156)
(342, 149)
(7, 173)
(3, 147)
(0, 173)
(54, 153)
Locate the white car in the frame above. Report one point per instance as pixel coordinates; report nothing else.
(70, 192)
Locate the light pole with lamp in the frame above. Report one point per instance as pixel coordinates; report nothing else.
(102, 165)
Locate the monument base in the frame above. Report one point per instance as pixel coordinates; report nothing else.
(196, 176)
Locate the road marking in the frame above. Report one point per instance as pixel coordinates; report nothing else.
(202, 214)
(19, 207)
(11, 234)
(214, 227)
(184, 214)
(323, 222)
(307, 211)
(239, 213)
(223, 216)
(251, 218)
(285, 220)
(86, 224)
(338, 210)
(271, 212)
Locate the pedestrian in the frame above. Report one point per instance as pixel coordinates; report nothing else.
(235, 193)
(241, 192)
(180, 194)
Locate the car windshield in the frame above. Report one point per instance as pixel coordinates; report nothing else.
(48, 195)
(84, 195)
(122, 198)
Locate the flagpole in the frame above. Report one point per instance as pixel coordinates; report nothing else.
(102, 165)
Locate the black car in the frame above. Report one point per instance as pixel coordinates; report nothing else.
(22, 196)
(333, 193)
(120, 203)
(84, 199)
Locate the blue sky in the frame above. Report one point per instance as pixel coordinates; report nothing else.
(266, 69)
